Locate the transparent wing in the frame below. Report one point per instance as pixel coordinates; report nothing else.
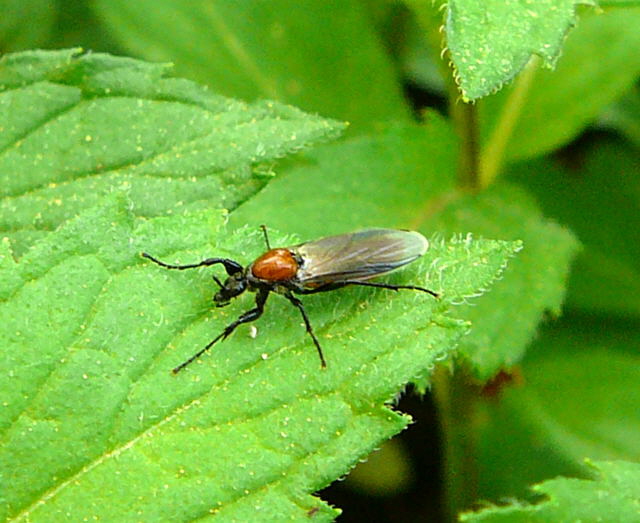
(358, 256)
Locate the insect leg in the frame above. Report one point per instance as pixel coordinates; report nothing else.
(389, 286)
(266, 237)
(250, 315)
(300, 307)
(230, 266)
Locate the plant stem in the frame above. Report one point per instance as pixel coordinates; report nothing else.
(456, 397)
(465, 119)
(492, 155)
(456, 401)
(465, 116)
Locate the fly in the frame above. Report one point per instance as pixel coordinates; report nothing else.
(318, 266)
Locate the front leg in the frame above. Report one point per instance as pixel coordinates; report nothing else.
(231, 266)
(249, 316)
(300, 307)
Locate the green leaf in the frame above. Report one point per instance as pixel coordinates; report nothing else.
(624, 116)
(77, 25)
(506, 320)
(295, 52)
(604, 212)
(386, 179)
(617, 3)
(78, 126)
(490, 41)
(25, 23)
(599, 63)
(93, 414)
(405, 178)
(611, 496)
(562, 411)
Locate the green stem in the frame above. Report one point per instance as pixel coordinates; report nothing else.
(492, 156)
(466, 117)
(456, 397)
(457, 403)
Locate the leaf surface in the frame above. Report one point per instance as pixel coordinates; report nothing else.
(78, 126)
(612, 495)
(94, 413)
(491, 41)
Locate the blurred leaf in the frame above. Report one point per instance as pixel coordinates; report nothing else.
(598, 412)
(78, 126)
(93, 413)
(600, 201)
(383, 180)
(611, 496)
(25, 23)
(624, 115)
(578, 399)
(505, 321)
(405, 178)
(599, 63)
(490, 41)
(321, 56)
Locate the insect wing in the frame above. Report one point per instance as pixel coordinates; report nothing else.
(358, 256)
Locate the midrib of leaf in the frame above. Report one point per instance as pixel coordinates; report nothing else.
(239, 52)
(51, 493)
(340, 391)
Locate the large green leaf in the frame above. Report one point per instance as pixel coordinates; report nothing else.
(25, 23)
(320, 56)
(490, 41)
(624, 115)
(405, 178)
(611, 496)
(93, 413)
(77, 126)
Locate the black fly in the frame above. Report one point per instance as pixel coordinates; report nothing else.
(317, 266)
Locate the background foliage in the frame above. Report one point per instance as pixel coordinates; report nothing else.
(524, 130)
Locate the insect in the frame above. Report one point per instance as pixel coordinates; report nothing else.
(317, 266)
